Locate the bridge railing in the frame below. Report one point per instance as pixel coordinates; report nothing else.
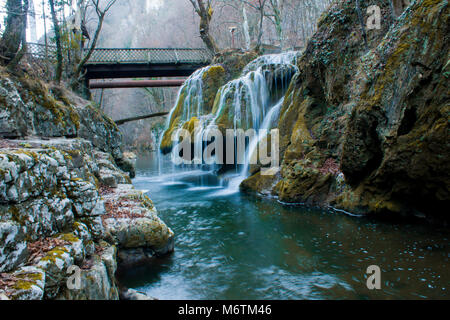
(41, 51)
(132, 55)
(150, 55)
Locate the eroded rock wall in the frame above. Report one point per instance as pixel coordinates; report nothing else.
(64, 201)
(29, 107)
(365, 123)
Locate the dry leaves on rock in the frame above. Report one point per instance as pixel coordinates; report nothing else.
(39, 248)
(122, 208)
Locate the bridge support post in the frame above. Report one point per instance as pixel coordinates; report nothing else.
(85, 90)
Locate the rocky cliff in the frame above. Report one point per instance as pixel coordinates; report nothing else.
(365, 123)
(66, 209)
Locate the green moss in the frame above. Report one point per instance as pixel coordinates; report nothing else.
(213, 79)
(69, 237)
(166, 143)
(23, 285)
(214, 74)
(31, 154)
(30, 276)
(191, 125)
(75, 118)
(56, 253)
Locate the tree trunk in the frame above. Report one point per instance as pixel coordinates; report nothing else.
(79, 68)
(205, 19)
(15, 61)
(32, 24)
(262, 5)
(91, 49)
(59, 57)
(14, 30)
(278, 19)
(245, 28)
(205, 13)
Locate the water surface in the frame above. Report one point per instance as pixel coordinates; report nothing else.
(237, 246)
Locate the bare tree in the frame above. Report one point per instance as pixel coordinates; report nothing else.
(245, 28)
(275, 16)
(101, 13)
(259, 6)
(205, 13)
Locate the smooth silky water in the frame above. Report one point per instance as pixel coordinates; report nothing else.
(238, 246)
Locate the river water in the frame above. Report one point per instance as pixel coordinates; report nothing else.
(237, 246)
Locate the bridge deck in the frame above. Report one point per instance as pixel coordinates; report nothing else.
(135, 62)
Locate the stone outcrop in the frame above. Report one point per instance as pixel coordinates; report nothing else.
(364, 126)
(135, 226)
(65, 205)
(29, 107)
(98, 277)
(56, 211)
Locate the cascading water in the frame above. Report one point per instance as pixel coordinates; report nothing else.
(190, 94)
(265, 128)
(252, 101)
(234, 183)
(192, 90)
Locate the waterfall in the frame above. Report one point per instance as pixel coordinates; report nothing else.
(265, 129)
(252, 101)
(192, 102)
(235, 182)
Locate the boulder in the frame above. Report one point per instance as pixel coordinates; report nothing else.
(97, 278)
(28, 284)
(131, 221)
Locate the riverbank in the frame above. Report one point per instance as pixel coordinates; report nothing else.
(68, 213)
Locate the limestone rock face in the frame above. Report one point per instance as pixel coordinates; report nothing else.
(16, 116)
(96, 281)
(60, 160)
(56, 210)
(33, 108)
(396, 147)
(131, 226)
(364, 125)
(110, 174)
(57, 261)
(29, 284)
(40, 193)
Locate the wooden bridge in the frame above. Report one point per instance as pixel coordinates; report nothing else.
(114, 63)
